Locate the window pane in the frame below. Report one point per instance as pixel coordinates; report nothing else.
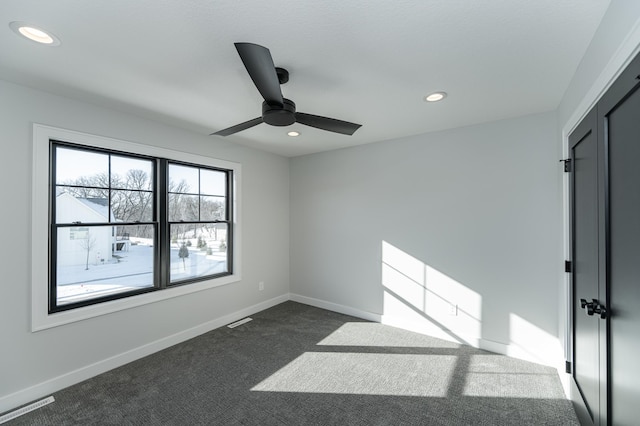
(212, 208)
(183, 179)
(82, 192)
(84, 205)
(137, 234)
(132, 206)
(198, 250)
(131, 173)
(81, 167)
(182, 233)
(183, 207)
(213, 182)
(102, 260)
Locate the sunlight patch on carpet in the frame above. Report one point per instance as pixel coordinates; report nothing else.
(364, 374)
(376, 335)
(502, 377)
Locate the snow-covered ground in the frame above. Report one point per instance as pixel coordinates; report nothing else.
(133, 270)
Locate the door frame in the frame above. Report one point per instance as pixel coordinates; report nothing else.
(625, 51)
(627, 81)
(589, 125)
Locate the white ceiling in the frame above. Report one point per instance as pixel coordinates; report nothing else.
(365, 61)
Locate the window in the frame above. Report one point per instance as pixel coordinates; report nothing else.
(122, 247)
(126, 220)
(197, 211)
(110, 195)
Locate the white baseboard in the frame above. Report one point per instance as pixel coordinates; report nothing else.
(55, 384)
(440, 333)
(330, 306)
(474, 341)
(553, 357)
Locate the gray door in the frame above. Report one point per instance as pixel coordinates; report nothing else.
(619, 115)
(605, 216)
(585, 231)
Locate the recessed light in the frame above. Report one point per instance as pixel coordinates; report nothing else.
(293, 134)
(435, 96)
(34, 33)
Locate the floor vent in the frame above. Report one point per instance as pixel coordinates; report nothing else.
(26, 409)
(237, 323)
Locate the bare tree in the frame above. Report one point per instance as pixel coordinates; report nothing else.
(88, 244)
(183, 253)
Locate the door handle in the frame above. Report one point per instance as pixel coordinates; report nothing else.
(594, 307)
(599, 309)
(588, 306)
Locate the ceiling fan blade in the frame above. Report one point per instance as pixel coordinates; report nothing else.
(238, 127)
(326, 123)
(259, 64)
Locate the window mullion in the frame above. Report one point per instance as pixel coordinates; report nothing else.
(229, 217)
(109, 190)
(53, 230)
(163, 243)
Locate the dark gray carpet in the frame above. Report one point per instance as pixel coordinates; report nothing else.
(299, 365)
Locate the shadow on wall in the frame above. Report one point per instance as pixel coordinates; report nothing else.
(420, 298)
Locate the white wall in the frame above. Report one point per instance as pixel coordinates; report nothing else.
(33, 363)
(469, 217)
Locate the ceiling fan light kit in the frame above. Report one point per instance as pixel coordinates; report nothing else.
(277, 110)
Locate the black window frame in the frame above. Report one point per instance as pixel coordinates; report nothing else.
(227, 219)
(160, 222)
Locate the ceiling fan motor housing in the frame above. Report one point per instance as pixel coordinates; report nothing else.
(279, 115)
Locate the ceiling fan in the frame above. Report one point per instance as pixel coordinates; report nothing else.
(277, 110)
